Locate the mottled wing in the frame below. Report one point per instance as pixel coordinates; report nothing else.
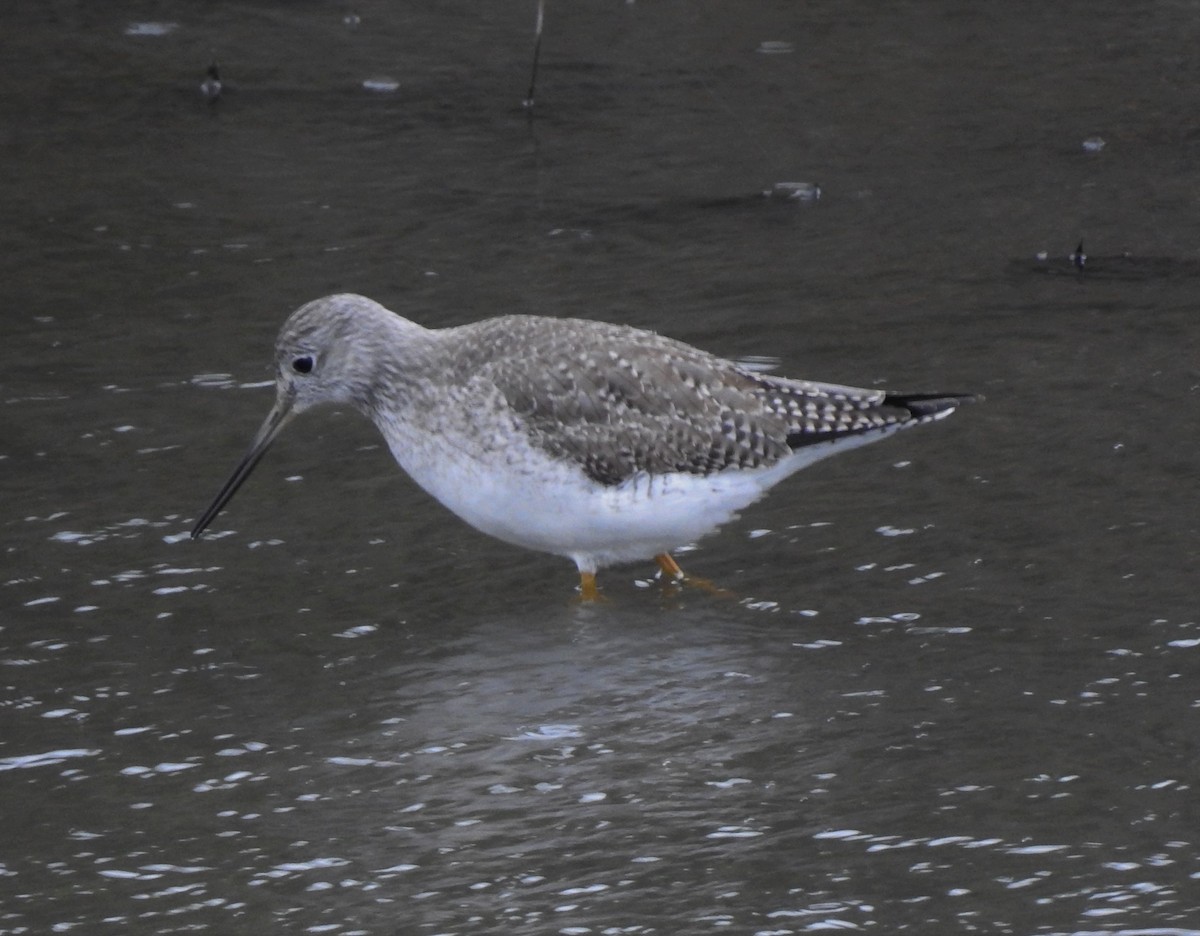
(621, 402)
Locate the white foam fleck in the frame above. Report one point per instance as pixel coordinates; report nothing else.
(151, 29)
(733, 832)
(838, 834)
(46, 759)
(550, 733)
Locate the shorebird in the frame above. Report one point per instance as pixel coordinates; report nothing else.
(601, 443)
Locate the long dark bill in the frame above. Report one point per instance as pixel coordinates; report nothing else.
(281, 413)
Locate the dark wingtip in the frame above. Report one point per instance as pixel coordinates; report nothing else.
(923, 405)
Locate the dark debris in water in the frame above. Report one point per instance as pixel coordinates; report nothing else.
(211, 86)
(1123, 266)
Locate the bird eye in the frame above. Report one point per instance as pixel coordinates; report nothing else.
(303, 364)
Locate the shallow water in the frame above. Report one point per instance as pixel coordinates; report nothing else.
(954, 689)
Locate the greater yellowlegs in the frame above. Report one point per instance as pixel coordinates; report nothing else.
(601, 443)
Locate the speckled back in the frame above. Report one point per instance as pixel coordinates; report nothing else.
(620, 401)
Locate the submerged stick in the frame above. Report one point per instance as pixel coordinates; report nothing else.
(537, 49)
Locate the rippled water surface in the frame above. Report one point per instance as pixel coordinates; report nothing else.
(954, 689)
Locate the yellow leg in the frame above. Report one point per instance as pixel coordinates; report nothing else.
(670, 568)
(587, 587)
(675, 575)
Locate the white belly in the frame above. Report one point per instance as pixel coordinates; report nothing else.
(519, 495)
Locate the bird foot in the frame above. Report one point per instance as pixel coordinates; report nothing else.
(674, 576)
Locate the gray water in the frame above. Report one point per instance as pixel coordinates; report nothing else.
(956, 689)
